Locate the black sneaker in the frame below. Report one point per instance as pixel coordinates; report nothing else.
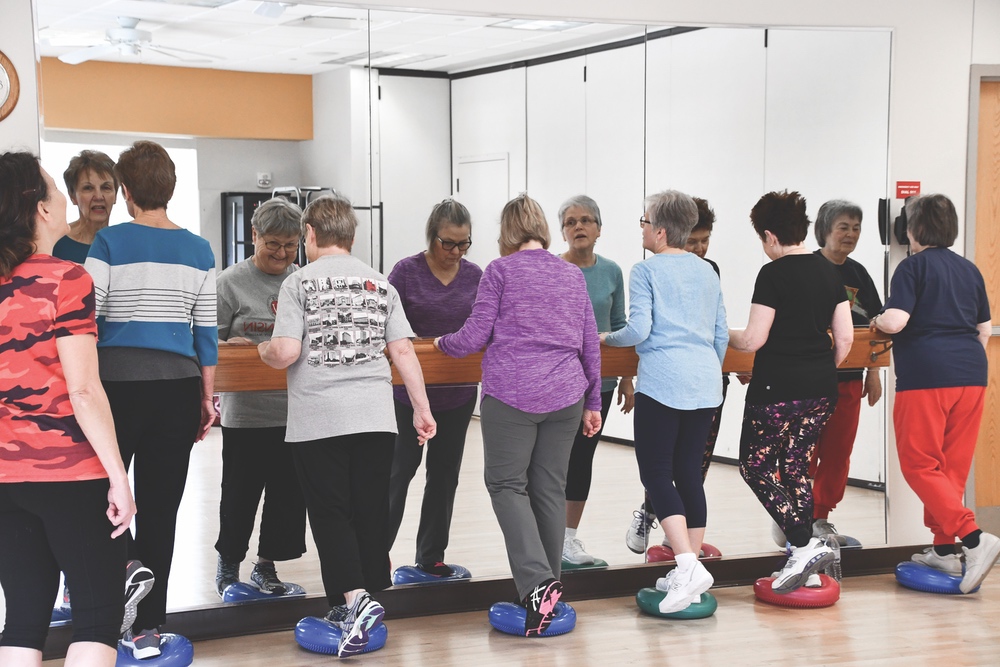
(144, 645)
(437, 569)
(265, 578)
(540, 604)
(226, 573)
(138, 583)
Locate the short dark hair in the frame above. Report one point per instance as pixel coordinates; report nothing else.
(933, 220)
(783, 214)
(22, 187)
(96, 161)
(829, 212)
(449, 212)
(147, 171)
(706, 216)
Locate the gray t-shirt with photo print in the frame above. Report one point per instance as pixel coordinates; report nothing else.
(345, 313)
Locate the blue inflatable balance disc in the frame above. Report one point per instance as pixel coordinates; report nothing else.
(410, 574)
(648, 600)
(926, 579)
(319, 636)
(175, 651)
(509, 618)
(244, 592)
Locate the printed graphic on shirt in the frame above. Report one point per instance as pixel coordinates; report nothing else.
(259, 330)
(345, 319)
(852, 298)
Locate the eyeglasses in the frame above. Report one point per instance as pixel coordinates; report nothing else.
(569, 223)
(644, 221)
(451, 245)
(274, 246)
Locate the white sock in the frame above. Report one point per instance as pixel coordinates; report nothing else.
(570, 533)
(686, 562)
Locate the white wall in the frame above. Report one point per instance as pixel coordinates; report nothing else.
(21, 129)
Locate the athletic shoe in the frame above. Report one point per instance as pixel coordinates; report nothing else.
(138, 583)
(574, 553)
(337, 617)
(226, 573)
(803, 562)
(144, 645)
(663, 583)
(950, 564)
(685, 588)
(362, 616)
(437, 569)
(979, 561)
(265, 578)
(823, 528)
(637, 536)
(812, 582)
(778, 535)
(540, 604)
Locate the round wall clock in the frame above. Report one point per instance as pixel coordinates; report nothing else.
(10, 87)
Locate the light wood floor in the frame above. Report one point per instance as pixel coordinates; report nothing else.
(876, 622)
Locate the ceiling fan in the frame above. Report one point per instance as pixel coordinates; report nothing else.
(127, 40)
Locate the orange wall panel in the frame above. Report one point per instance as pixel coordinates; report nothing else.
(126, 97)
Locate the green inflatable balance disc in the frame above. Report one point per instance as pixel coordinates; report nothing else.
(649, 600)
(598, 564)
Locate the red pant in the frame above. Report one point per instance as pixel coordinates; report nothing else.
(831, 460)
(936, 432)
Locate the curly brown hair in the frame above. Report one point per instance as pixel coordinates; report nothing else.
(22, 187)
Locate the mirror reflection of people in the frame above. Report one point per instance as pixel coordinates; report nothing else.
(436, 288)
(939, 317)
(837, 229)
(677, 323)
(155, 293)
(255, 459)
(793, 390)
(93, 187)
(341, 424)
(64, 493)
(580, 220)
(541, 374)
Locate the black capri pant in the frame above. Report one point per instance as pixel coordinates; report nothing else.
(46, 527)
(581, 459)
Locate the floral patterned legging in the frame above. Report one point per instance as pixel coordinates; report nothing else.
(775, 449)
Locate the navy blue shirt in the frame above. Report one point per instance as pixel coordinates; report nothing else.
(945, 296)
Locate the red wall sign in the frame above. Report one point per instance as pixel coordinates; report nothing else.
(906, 189)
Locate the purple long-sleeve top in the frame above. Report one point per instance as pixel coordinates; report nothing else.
(534, 317)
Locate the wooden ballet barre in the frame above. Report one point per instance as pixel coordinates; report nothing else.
(240, 367)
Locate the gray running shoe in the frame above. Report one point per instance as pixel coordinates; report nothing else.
(637, 535)
(265, 578)
(144, 645)
(950, 564)
(138, 582)
(822, 528)
(226, 573)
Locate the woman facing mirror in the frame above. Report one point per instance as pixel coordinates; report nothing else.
(580, 221)
(437, 288)
(93, 187)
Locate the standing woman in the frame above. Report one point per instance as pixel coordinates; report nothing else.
(437, 288)
(541, 374)
(255, 458)
(939, 316)
(580, 219)
(64, 492)
(793, 390)
(93, 187)
(155, 293)
(677, 323)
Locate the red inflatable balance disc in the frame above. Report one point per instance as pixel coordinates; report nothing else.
(803, 598)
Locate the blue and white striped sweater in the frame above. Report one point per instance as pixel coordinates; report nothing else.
(155, 289)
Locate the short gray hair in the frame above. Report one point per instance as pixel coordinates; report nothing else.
(829, 212)
(449, 212)
(583, 201)
(277, 217)
(675, 213)
(332, 218)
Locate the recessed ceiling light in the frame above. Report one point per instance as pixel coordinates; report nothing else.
(528, 24)
(400, 59)
(327, 23)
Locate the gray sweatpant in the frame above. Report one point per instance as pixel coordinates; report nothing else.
(526, 458)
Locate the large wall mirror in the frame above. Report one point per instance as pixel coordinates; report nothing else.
(410, 108)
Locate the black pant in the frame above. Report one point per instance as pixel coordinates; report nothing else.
(581, 459)
(46, 527)
(157, 422)
(444, 461)
(255, 459)
(345, 481)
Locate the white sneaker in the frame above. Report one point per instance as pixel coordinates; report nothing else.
(823, 528)
(663, 583)
(685, 588)
(574, 553)
(950, 564)
(979, 561)
(804, 561)
(637, 535)
(812, 582)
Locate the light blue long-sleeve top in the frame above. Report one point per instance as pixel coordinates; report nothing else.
(677, 323)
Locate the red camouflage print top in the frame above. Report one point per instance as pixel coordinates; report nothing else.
(40, 440)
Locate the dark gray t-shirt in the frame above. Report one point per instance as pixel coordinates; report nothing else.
(247, 301)
(345, 313)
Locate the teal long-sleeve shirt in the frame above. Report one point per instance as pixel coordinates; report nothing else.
(606, 289)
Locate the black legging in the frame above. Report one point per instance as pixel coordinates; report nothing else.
(581, 459)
